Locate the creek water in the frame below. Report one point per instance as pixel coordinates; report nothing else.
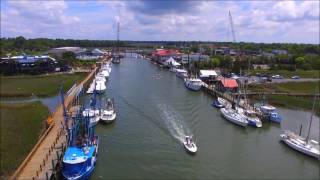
(154, 113)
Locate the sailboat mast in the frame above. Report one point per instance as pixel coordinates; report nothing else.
(310, 123)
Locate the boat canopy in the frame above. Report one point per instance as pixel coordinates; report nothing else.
(76, 155)
(268, 108)
(181, 71)
(207, 73)
(172, 62)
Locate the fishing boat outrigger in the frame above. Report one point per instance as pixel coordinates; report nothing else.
(190, 145)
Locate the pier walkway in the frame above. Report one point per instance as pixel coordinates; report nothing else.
(42, 160)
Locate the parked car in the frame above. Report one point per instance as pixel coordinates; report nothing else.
(295, 77)
(277, 77)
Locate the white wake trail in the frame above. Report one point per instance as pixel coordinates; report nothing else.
(174, 122)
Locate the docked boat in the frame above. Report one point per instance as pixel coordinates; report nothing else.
(100, 84)
(105, 73)
(250, 116)
(91, 88)
(304, 145)
(193, 84)
(93, 115)
(301, 144)
(233, 116)
(181, 73)
(108, 115)
(79, 160)
(190, 145)
(270, 113)
(116, 60)
(217, 104)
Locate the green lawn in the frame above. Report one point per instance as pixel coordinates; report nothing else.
(293, 87)
(289, 74)
(21, 126)
(290, 102)
(42, 85)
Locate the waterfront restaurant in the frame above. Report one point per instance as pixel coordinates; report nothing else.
(226, 85)
(161, 55)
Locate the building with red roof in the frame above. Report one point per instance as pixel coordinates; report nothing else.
(226, 84)
(162, 55)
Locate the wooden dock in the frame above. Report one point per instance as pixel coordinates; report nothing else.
(42, 160)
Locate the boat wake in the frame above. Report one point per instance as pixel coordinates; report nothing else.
(174, 122)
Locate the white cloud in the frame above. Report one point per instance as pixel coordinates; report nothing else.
(257, 21)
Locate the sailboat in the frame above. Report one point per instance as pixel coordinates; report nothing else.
(249, 115)
(232, 114)
(304, 145)
(193, 83)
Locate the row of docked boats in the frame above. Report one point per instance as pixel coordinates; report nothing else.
(99, 82)
(80, 157)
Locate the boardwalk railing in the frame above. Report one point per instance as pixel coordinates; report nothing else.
(35, 165)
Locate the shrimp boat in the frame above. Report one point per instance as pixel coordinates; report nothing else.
(92, 113)
(304, 145)
(193, 84)
(233, 116)
(190, 145)
(80, 157)
(109, 114)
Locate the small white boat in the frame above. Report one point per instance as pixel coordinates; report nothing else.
(233, 116)
(92, 114)
(224, 102)
(301, 144)
(108, 115)
(193, 84)
(189, 145)
(181, 73)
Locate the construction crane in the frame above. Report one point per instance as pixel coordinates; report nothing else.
(232, 27)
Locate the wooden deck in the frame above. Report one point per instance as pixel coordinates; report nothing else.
(41, 161)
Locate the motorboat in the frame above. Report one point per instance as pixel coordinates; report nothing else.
(224, 102)
(181, 73)
(108, 115)
(190, 145)
(193, 84)
(217, 104)
(250, 116)
(304, 145)
(105, 73)
(91, 88)
(270, 113)
(100, 84)
(93, 115)
(233, 116)
(298, 143)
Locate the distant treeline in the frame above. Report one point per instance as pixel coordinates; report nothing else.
(21, 44)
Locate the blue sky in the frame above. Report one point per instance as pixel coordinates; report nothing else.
(254, 21)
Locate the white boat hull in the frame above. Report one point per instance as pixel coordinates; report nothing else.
(108, 118)
(233, 117)
(193, 85)
(298, 146)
